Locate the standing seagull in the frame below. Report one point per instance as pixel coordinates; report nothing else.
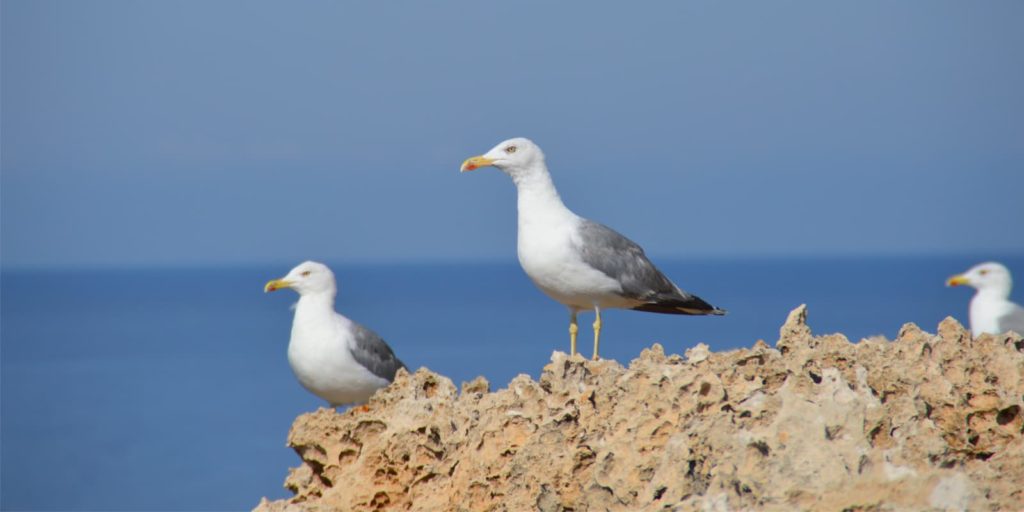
(578, 262)
(334, 358)
(991, 310)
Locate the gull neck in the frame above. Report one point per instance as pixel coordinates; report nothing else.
(994, 292)
(536, 192)
(316, 302)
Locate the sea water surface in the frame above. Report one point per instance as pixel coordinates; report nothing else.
(169, 389)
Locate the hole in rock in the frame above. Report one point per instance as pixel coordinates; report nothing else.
(1007, 415)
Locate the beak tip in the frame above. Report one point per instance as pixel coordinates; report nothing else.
(475, 162)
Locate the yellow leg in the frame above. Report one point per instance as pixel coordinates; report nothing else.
(573, 329)
(597, 331)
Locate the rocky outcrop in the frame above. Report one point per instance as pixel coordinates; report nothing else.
(924, 422)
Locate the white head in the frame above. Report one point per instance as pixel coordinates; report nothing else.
(514, 157)
(308, 278)
(990, 277)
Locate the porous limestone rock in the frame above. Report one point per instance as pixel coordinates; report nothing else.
(924, 422)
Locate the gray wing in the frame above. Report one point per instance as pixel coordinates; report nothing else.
(623, 260)
(1013, 321)
(371, 351)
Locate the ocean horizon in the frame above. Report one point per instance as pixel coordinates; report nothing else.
(169, 388)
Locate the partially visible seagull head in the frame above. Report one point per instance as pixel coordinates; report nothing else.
(513, 156)
(308, 278)
(989, 277)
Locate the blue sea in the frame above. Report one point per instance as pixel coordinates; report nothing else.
(169, 389)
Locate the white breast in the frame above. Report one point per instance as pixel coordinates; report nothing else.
(547, 244)
(548, 255)
(320, 356)
(985, 312)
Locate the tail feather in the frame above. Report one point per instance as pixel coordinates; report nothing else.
(691, 305)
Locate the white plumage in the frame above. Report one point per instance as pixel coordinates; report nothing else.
(333, 357)
(991, 310)
(580, 263)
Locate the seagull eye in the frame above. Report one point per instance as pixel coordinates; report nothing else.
(306, 273)
(983, 272)
(510, 149)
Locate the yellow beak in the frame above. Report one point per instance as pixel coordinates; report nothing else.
(957, 280)
(475, 162)
(276, 284)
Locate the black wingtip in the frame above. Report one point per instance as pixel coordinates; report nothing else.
(713, 311)
(680, 309)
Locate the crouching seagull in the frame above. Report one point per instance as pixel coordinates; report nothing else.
(333, 357)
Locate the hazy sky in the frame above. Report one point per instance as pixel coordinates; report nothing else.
(231, 132)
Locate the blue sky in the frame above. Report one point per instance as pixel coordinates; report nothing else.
(184, 133)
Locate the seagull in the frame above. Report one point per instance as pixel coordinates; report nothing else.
(577, 262)
(991, 310)
(333, 357)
